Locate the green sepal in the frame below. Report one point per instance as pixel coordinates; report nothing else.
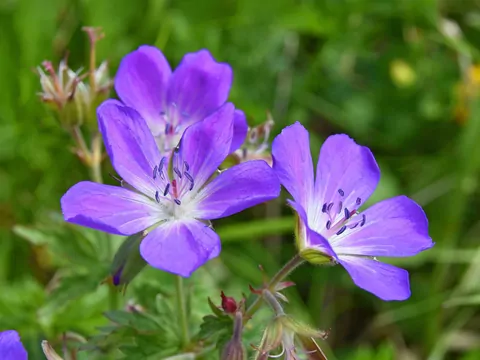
(314, 256)
(127, 262)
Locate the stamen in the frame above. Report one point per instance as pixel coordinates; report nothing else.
(364, 218)
(359, 201)
(354, 226)
(162, 163)
(179, 174)
(329, 224)
(341, 192)
(155, 172)
(342, 229)
(157, 197)
(324, 208)
(347, 214)
(329, 207)
(340, 206)
(185, 164)
(190, 178)
(167, 189)
(178, 202)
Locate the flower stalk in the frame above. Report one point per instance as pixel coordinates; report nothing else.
(182, 310)
(286, 270)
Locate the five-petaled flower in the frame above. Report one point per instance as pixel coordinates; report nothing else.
(171, 101)
(11, 347)
(170, 199)
(331, 228)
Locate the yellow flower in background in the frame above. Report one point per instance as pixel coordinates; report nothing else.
(402, 74)
(465, 91)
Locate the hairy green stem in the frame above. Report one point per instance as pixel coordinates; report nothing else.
(182, 310)
(96, 159)
(286, 270)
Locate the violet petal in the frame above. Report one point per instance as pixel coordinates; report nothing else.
(383, 280)
(347, 168)
(205, 144)
(238, 188)
(141, 83)
(130, 145)
(109, 208)
(292, 161)
(240, 130)
(11, 347)
(180, 247)
(199, 85)
(393, 227)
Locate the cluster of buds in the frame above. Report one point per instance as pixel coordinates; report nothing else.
(284, 337)
(72, 95)
(256, 145)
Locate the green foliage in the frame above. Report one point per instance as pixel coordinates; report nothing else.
(392, 74)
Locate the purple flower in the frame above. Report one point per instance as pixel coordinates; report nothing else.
(171, 101)
(331, 228)
(11, 347)
(172, 205)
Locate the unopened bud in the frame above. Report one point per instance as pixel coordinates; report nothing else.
(234, 349)
(64, 91)
(229, 305)
(127, 262)
(256, 146)
(49, 352)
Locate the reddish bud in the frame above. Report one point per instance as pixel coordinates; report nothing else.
(229, 305)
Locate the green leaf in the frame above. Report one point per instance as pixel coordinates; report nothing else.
(255, 229)
(213, 326)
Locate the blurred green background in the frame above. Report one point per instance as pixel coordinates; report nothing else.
(402, 77)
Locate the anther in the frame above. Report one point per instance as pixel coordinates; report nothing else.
(340, 206)
(167, 189)
(167, 128)
(179, 174)
(341, 192)
(187, 167)
(347, 214)
(157, 197)
(190, 178)
(364, 218)
(329, 207)
(155, 172)
(329, 224)
(342, 229)
(178, 202)
(359, 201)
(324, 208)
(162, 162)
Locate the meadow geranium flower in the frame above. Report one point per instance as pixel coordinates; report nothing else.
(11, 347)
(171, 101)
(331, 227)
(171, 205)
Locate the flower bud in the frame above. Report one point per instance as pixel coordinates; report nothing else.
(229, 305)
(282, 335)
(256, 146)
(63, 90)
(127, 262)
(234, 349)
